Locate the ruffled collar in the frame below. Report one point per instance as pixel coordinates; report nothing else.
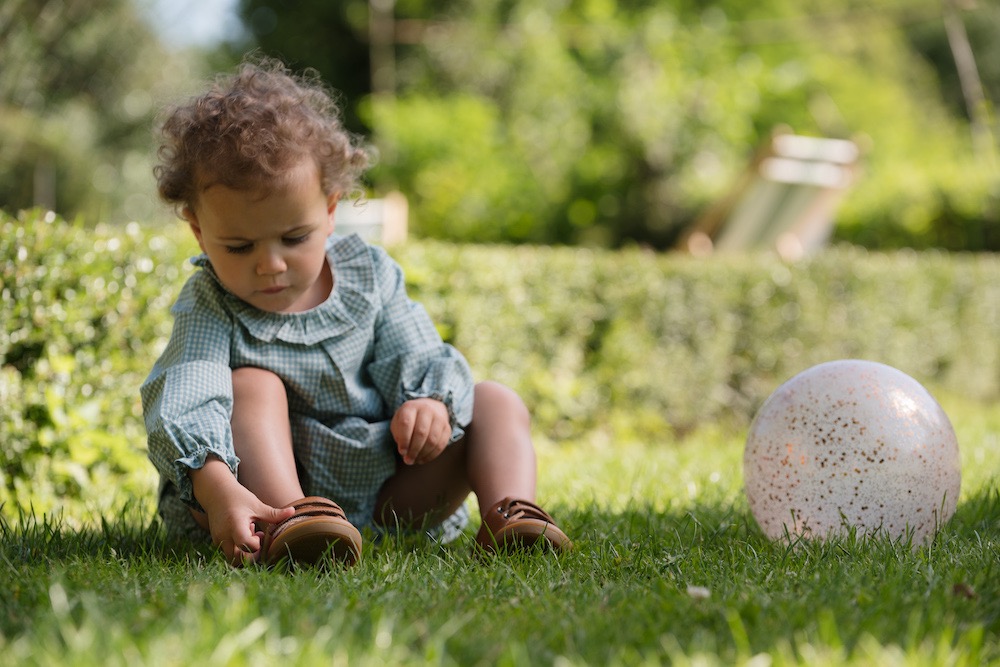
(349, 305)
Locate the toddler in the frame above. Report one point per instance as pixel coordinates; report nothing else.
(302, 394)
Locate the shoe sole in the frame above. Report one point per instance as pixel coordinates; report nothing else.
(312, 541)
(527, 533)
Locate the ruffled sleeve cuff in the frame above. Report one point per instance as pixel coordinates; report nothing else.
(187, 409)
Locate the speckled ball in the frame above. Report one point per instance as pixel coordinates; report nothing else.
(851, 443)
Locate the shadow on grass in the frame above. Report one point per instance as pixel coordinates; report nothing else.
(690, 536)
(704, 529)
(31, 539)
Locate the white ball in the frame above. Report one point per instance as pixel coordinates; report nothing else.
(851, 444)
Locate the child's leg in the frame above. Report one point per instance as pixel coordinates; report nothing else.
(501, 456)
(495, 460)
(262, 437)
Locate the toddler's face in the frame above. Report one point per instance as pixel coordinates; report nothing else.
(269, 248)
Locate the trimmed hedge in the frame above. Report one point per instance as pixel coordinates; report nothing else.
(625, 345)
(641, 345)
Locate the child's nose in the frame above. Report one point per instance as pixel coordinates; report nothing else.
(270, 263)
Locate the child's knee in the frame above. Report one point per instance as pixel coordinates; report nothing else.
(498, 398)
(250, 382)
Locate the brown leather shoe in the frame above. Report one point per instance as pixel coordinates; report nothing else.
(517, 524)
(318, 530)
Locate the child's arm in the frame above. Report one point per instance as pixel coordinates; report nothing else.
(414, 369)
(187, 407)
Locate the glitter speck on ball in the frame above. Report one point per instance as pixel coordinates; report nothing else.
(851, 444)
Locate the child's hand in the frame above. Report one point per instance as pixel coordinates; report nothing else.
(421, 429)
(232, 510)
(233, 529)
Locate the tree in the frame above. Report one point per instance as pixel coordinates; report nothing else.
(330, 37)
(968, 81)
(78, 89)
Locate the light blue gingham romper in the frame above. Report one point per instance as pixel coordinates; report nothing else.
(347, 365)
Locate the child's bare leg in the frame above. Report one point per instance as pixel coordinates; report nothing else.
(502, 471)
(495, 460)
(262, 437)
(501, 457)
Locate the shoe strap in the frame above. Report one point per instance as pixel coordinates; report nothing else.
(308, 507)
(517, 508)
(318, 505)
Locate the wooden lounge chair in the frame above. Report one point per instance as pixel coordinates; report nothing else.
(784, 201)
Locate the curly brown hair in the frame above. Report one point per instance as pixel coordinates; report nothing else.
(249, 128)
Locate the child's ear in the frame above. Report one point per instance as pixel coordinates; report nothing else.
(192, 219)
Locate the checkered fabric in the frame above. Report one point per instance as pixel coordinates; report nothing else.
(347, 365)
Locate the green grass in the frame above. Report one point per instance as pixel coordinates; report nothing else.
(669, 568)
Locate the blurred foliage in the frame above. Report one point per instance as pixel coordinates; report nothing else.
(611, 346)
(602, 122)
(331, 36)
(593, 122)
(80, 82)
(75, 345)
(982, 23)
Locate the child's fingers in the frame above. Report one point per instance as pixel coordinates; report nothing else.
(409, 428)
(420, 428)
(256, 553)
(242, 556)
(435, 442)
(236, 551)
(247, 546)
(432, 435)
(269, 514)
(402, 426)
(241, 544)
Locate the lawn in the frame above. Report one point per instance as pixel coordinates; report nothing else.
(669, 568)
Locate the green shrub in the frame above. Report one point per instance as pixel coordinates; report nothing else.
(83, 313)
(618, 346)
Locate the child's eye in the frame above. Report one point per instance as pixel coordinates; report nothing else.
(239, 249)
(296, 240)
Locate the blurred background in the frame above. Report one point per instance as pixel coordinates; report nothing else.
(583, 122)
